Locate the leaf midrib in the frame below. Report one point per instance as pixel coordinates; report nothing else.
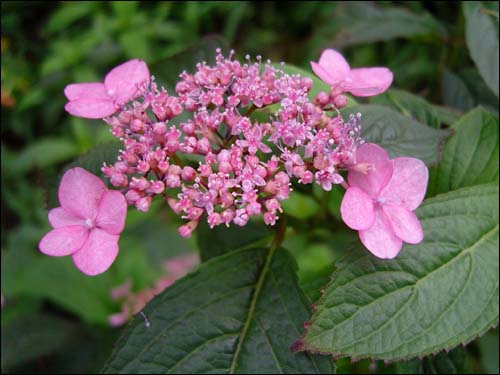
(251, 308)
(161, 333)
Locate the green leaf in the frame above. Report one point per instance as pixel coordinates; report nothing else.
(68, 13)
(44, 153)
(12, 310)
(32, 336)
(364, 22)
(442, 363)
(399, 134)
(488, 347)
(455, 92)
(447, 115)
(237, 314)
(300, 206)
(27, 272)
(92, 160)
(219, 240)
(433, 296)
(482, 41)
(413, 106)
(470, 157)
(482, 95)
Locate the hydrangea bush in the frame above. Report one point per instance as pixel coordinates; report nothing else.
(227, 147)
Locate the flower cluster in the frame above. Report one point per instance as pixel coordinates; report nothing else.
(243, 166)
(231, 139)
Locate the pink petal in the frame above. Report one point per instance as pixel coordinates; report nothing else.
(380, 238)
(368, 81)
(93, 90)
(91, 108)
(80, 193)
(326, 185)
(323, 74)
(378, 176)
(357, 209)
(408, 183)
(112, 212)
(332, 68)
(405, 223)
(64, 241)
(98, 253)
(58, 217)
(122, 82)
(265, 148)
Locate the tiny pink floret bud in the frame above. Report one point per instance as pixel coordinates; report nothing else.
(188, 173)
(187, 229)
(340, 101)
(143, 204)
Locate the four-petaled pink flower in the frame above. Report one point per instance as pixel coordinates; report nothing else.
(333, 69)
(253, 140)
(380, 200)
(98, 100)
(88, 223)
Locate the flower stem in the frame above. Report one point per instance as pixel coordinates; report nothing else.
(280, 233)
(250, 110)
(176, 159)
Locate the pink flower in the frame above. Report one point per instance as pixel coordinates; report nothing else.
(99, 100)
(187, 229)
(381, 198)
(333, 69)
(88, 223)
(253, 140)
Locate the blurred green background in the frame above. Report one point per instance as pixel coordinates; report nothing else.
(54, 319)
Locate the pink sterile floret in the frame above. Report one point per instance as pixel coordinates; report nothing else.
(333, 69)
(380, 200)
(88, 223)
(98, 100)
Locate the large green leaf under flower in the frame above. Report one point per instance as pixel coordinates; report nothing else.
(433, 296)
(237, 314)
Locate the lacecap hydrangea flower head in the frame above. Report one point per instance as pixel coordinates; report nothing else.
(244, 166)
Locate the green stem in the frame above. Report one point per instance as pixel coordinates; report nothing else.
(250, 110)
(176, 159)
(280, 233)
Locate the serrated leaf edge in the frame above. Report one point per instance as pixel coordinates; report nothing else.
(300, 345)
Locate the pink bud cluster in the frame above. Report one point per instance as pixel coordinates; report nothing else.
(206, 149)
